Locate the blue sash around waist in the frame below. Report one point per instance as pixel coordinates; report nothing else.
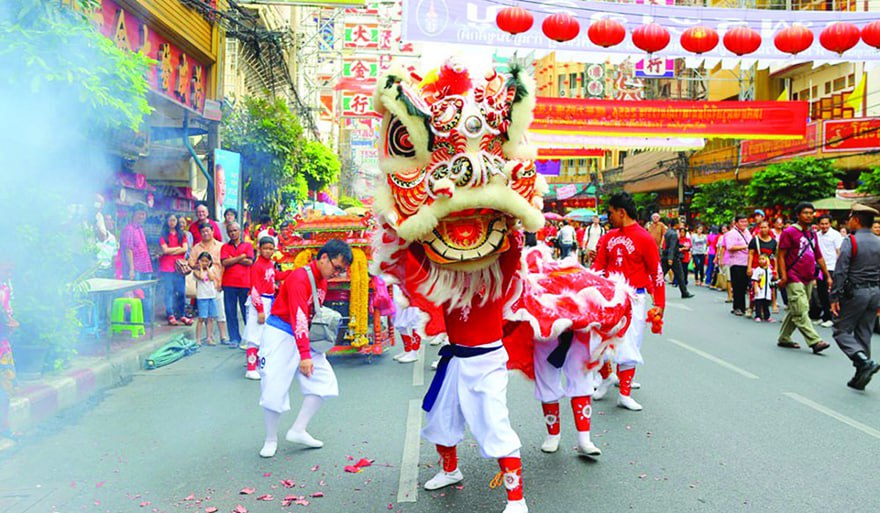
(446, 354)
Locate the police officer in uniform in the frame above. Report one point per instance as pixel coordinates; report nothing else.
(855, 294)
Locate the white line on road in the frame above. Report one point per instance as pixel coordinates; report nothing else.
(679, 306)
(419, 368)
(715, 359)
(868, 430)
(408, 486)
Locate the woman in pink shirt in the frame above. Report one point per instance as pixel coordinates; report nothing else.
(174, 247)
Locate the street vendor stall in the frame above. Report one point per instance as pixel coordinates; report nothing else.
(363, 331)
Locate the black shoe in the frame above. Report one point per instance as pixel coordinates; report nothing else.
(687, 295)
(738, 313)
(863, 375)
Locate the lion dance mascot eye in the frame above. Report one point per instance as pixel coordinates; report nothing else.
(458, 181)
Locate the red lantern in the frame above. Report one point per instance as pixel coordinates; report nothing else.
(699, 39)
(871, 34)
(794, 39)
(606, 32)
(742, 40)
(650, 38)
(514, 20)
(561, 27)
(839, 37)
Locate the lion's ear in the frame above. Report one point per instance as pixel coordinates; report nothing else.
(521, 98)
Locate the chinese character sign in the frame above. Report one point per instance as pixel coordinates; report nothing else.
(362, 69)
(357, 104)
(361, 35)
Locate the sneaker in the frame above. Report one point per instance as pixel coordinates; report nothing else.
(516, 507)
(602, 389)
(269, 449)
(172, 321)
(687, 296)
(254, 375)
(771, 319)
(229, 343)
(243, 346)
(826, 324)
(625, 401)
(738, 313)
(588, 449)
(409, 357)
(303, 438)
(757, 319)
(551, 443)
(444, 479)
(398, 356)
(749, 312)
(435, 364)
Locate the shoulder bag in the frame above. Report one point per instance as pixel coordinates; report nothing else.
(325, 323)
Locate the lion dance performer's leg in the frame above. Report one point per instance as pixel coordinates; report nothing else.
(629, 353)
(470, 390)
(405, 323)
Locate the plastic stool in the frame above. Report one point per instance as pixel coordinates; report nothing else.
(135, 326)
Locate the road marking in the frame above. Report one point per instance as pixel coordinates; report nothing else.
(419, 368)
(679, 306)
(868, 430)
(408, 486)
(712, 358)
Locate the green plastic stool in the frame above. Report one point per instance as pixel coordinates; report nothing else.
(117, 317)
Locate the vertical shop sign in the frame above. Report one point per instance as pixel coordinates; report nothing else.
(227, 181)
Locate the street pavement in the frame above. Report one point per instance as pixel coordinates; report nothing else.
(731, 423)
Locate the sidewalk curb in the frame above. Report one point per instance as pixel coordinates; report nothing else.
(37, 402)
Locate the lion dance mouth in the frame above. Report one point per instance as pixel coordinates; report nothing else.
(467, 235)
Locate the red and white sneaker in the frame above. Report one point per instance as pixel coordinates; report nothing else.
(172, 321)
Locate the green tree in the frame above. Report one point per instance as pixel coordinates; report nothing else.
(348, 202)
(269, 138)
(717, 202)
(870, 181)
(790, 182)
(320, 165)
(51, 51)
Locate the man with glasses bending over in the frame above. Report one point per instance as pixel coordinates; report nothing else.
(285, 352)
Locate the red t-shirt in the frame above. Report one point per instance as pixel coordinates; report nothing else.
(294, 305)
(236, 275)
(166, 262)
(196, 232)
(684, 244)
(632, 252)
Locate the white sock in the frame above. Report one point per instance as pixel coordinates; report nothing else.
(310, 406)
(272, 418)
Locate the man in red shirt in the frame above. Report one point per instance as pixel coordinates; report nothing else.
(237, 258)
(202, 217)
(285, 352)
(470, 387)
(630, 250)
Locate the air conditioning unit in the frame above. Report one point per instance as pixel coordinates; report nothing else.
(562, 93)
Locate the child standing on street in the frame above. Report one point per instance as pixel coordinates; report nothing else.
(259, 303)
(762, 278)
(207, 285)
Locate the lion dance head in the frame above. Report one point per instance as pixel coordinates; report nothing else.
(457, 173)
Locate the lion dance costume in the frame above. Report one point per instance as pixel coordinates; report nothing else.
(458, 181)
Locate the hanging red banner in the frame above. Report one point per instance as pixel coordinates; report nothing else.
(764, 151)
(851, 134)
(723, 120)
(569, 153)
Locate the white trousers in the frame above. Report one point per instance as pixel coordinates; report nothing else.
(474, 395)
(548, 379)
(406, 321)
(253, 330)
(279, 364)
(629, 348)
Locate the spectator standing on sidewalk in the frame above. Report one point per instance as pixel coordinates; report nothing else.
(237, 258)
(829, 243)
(799, 255)
(174, 248)
(699, 250)
(213, 247)
(657, 229)
(592, 234)
(855, 295)
(672, 257)
(684, 249)
(566, 239)
(763, 244)
(736, 254)
(202, 217)
(136, 261)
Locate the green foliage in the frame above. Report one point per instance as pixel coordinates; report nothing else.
(348, 202)
(320, 165)
(718, 202)
(51, 51)
(790, 182)
(646, 203)
(870, 181)
(269, 138)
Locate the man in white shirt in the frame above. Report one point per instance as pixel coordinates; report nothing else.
(829, 241)
(566, 237)
(592, 234)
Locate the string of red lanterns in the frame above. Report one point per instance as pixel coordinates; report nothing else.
(651, 38)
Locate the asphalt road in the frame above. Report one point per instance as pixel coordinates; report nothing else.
(731, 423)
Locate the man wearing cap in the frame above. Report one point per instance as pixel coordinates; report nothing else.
(855, 294)
(759, 217)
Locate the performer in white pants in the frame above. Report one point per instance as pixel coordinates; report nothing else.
(629, 249)
(285, 352)
(259, 303)
(406, 321)
(566, 357)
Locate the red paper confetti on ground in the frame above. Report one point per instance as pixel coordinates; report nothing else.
(287, 483)
(363, 462)
(190, 497)
(145, 504)
(247, 491)
(266, 497)
(352, 469)
(240, 509)
(211, 509)
(315, 468)
(317, 494)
